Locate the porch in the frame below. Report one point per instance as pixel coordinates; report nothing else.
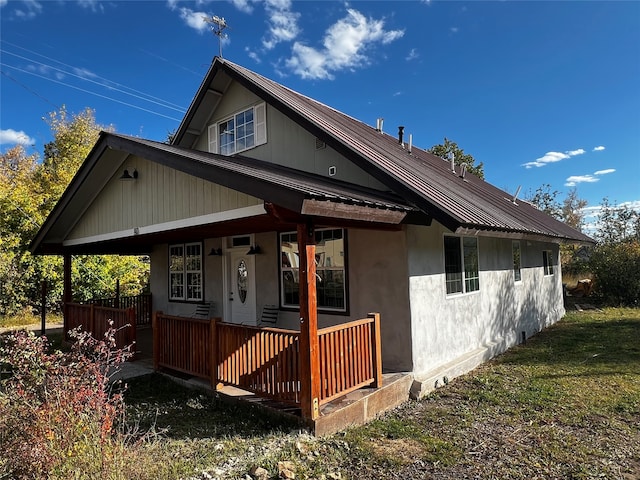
(263, 365)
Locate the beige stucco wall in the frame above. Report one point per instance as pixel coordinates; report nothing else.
(377, 272)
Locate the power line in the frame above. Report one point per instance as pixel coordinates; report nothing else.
(90, 92)
(72, 67)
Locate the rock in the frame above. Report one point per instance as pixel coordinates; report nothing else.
(286, 470)
(259, 473)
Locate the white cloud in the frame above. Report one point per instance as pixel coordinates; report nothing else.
(598, 149)
(345, 46)
(193, 19)
(3, 3)
(10, 136)
(242, 5)
(552, 157)
(573, 180)
(253, 55)
(604, 172)
(283, 23)
(30, 9)
(454, 29)
(413, 54)
(93, 5)
(573, 153)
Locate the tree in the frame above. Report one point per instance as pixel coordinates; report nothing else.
(448, 147)
(546, 200)
(28, 192)
(572, 211)
(615, 261)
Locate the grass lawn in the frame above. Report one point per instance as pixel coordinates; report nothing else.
(565, 405)
(27, 318)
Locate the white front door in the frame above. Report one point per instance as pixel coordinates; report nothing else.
(241, 288)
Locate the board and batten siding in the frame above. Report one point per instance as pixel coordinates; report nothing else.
(288, 143)
(160, 194)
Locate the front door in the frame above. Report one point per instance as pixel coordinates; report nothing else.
(241, 288)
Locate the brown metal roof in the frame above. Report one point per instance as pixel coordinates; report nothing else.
(469, 204)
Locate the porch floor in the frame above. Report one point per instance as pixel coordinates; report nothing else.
(355, 408)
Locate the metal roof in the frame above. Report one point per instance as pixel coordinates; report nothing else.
(422, 179)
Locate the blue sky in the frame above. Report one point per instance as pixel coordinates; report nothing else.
(541, 92)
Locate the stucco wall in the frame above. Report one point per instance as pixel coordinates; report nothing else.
(378, 282)
(447, 327)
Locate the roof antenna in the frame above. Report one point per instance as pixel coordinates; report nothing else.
(220, 24)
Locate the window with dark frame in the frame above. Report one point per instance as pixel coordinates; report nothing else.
(517, 258)
(461, 264)
(185, 272)
(547, 262)
(331, 275)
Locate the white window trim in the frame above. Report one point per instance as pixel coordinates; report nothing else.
(259, 128)
(464, 279)
(513, 244)
(548, 263)
(285, 305)
(185, 273)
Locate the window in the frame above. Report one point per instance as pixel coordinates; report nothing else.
(515, 249)
(331, 278)
(547, 262)
(241, 131)
(185, 272)
(461, 252)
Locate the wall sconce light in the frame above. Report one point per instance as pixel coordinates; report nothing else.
(215, 252)
(128, 176)
(254, 250)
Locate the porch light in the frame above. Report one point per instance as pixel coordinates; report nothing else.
(215, 252)
(128, 176)
(254, 250)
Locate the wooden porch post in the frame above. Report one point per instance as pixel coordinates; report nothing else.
(309, 348)
(376, 350)
(66, 292)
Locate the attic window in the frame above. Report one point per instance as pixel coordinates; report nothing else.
(239, 132)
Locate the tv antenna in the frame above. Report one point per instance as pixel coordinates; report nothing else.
(217, 25)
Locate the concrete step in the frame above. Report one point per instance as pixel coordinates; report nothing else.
(363, 405)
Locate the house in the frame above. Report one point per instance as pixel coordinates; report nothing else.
(266, 197)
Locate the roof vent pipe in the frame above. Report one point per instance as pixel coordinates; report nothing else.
(515, 197)
(463, 170)
(400, 134)
(410, 142)
(452, 158)
(379, 122)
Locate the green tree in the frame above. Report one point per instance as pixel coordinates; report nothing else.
(28, 192)
(572, 210)
(448, 147)
(615, 261)
(546, 200)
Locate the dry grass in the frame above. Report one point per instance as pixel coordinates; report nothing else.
(565, 405)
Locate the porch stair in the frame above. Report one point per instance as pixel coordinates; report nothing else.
(363, 405)
(355, 408)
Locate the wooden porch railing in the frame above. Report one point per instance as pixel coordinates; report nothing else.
(260, 360)
(266, 360)
(96, 320)
(140, 303)
(349, 357)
